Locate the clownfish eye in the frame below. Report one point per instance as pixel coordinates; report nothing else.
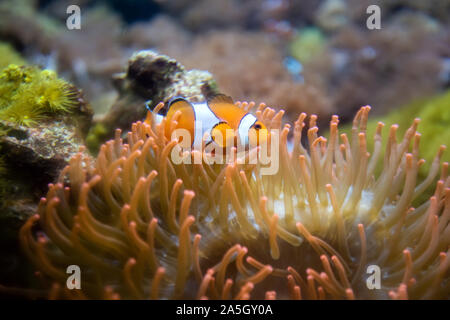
(258, 126)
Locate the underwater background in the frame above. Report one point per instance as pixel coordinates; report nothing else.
(64, 92)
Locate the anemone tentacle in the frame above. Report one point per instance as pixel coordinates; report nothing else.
(141, 226)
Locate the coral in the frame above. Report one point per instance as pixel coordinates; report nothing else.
(91, 56)
(23, 25)
(248, 65)
(332, 15)
(355, 62)
(160, 32)
(87, 59)
(435, 9)
(141, 226)
(95, 53)
(401, 63)
(206, 14)
(307, 44)
(43, 120)
(30, 95)
(213, 13)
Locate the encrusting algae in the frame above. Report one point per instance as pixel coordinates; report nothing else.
(140, 226)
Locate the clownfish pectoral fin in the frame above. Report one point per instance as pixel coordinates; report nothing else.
(223, 135)
(219, 98)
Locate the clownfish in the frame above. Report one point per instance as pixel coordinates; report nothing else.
(226, 123)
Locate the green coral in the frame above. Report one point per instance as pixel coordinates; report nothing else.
(8, 55)
(29, 95)
(307, 44)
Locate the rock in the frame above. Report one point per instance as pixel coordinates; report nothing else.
(31, 158)
(150, 77)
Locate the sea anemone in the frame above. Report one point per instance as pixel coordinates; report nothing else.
(434, 115)
(140, 226)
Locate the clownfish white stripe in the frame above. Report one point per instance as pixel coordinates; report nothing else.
(158, 118)
(205, 120)
(216, 117)
(244, 126)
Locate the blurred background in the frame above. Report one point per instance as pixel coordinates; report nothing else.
(314, 56)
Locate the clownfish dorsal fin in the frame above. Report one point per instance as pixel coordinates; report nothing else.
(177, 103)
(177, 100)
(220, 98)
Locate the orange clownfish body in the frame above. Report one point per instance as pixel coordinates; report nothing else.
(225, 122)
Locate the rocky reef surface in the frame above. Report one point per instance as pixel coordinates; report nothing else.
(150, 78)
